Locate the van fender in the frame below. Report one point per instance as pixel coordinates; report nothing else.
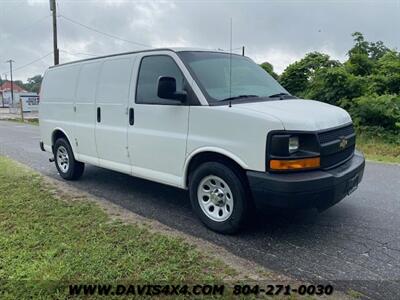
(217, 150)
(70, 141)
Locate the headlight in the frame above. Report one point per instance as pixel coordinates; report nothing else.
(293, 144)
(290, 151)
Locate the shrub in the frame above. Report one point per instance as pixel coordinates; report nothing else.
(331, 85)
(386, 78)
(379, 113)
(298, 75)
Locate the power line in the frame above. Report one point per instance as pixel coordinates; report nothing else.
(103, 33)
(78, 53)
(30, 63)
(44, 56)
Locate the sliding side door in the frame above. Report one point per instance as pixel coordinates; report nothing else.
(112, 113)
(85, 113)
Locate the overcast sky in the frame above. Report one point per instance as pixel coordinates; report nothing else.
(280, 32)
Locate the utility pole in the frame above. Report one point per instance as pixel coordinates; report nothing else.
(10, 61)
(243, 50)
(55, 47)
(1, 95)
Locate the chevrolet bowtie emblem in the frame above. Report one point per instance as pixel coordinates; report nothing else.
(343, 142)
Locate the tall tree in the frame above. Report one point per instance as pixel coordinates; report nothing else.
(386, 77)
(34, 83)
(19, 83)
(377, 50)
(269, 69)
(361, 46)
(334, 84)
(363, 55)
(297, 76)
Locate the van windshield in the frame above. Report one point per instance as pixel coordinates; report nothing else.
(218, 81)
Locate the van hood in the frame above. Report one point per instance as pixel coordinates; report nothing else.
(299, 114)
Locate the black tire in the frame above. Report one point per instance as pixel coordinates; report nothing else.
(74, 169)
(237, 187)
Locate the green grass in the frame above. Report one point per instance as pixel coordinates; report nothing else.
(46, 241)
(355, 294)
(379, 149)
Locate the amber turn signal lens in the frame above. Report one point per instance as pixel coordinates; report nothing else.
(294, 164)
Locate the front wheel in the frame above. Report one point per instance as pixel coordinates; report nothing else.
(218, 197)
(67, 166)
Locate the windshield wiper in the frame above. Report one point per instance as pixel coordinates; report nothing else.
(240, 96)
(281, 96)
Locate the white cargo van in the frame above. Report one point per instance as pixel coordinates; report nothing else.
(211, 122)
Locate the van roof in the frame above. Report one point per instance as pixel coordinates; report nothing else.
(173, 49)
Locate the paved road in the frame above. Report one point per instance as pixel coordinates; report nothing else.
(356, 243)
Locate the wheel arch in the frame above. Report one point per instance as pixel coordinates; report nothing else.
(60, 133)
(200, 156)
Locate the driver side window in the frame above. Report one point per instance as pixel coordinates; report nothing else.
(151, 69)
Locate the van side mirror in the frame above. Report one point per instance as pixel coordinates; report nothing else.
(167, 89)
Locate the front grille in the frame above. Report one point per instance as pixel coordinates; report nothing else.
(331, 153)
(335, 134)
(331, 160)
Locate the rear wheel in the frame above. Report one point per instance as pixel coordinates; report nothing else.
(218, 197)
(67, 166)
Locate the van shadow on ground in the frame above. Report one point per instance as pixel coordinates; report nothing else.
(170, 205)
(336, 244)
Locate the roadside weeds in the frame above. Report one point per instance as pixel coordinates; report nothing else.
(245, 270)
(80, 212)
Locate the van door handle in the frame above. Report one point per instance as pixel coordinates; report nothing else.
(131, 116)
(98, 115)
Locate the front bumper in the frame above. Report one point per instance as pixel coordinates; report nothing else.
(309, 189)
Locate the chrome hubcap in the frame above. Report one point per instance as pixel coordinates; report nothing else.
(62, 159)
(215, 198)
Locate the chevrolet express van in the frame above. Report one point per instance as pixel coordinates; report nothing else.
(211, 122)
